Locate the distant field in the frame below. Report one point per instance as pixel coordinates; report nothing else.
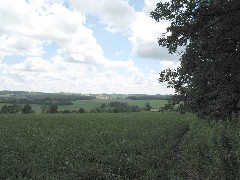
(92, 104)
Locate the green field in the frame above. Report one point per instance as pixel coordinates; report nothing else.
(141, 145)
(88, 146)
(92, 104)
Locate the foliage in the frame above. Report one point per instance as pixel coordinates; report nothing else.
(44, 109)
(212, 151)
(65, 111)
(207, 81)
(27, 109)
(147, 107)
(134, 105)
(53, 108)
(5, 109)
(149, 97)
(81, 110)
(10, 109)
(118, 106)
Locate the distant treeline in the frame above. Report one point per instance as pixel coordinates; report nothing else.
(149, 97)
(112, 107)
(45, 101)
(22, 97)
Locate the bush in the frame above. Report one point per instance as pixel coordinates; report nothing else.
(213, 150)
(81, 110)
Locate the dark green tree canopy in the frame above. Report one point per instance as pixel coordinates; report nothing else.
(208, 79)
(147, 107)
(27, 109)
(53, 108)
(10, 109)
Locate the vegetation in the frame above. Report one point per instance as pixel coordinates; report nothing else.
(211, 151)
(207, 81)
(86, 146)
(117, 146)
(53, 108)
(27, 109)
(23, 97)
(97, 103)
(147, 107)
(140, 145)
(117, 107)
(10, 109)
(149, 97)
(91, 105)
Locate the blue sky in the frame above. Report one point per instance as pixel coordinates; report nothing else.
(82, 46)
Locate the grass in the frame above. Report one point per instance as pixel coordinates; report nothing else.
(89, 146)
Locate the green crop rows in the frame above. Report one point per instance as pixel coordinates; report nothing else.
(88, 146)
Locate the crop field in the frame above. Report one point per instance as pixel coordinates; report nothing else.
(141, 145)
(89, 146)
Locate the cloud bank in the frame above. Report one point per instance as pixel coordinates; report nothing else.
(30, 29)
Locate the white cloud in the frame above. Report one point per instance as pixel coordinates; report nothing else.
(28, 26)
(47, 22)
(144, 38)
(117, 15)
(150, 5)
(79, 64)
(20, 45)
(33, 64)
(55, 75)
(169, 64)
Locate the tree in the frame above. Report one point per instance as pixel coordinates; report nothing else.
(135, 108)
(147, 107)
(44, 108)
(208, 79)
(81, 110)
(4, 109)
(11, 109)
(27, 109)
(117, 107)
(53, 108)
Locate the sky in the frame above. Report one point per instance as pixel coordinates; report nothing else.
(82, 46)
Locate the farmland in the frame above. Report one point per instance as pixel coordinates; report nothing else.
(140, 145)
(91, 104)
(88, 146)
(96, 103)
